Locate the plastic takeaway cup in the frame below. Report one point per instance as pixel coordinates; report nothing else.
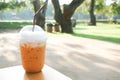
(32, 48)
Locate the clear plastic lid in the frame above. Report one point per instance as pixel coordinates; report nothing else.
(27, 35)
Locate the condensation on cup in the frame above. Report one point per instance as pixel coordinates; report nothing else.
(32, 48)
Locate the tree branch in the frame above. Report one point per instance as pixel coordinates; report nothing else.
(36, 5)
(70, 9)
(58, 13)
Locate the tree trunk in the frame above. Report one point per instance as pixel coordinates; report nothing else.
(64, 19)
(60, 18)
(91, 12)
(40, 19)
(66, 26)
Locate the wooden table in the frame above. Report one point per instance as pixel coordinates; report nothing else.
(18, 73)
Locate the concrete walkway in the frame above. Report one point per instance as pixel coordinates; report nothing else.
(79, 58)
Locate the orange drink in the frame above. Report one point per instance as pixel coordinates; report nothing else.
(32, 48)
(32, 57)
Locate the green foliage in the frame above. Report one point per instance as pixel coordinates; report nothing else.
(115, 8)
(99, 5)
(3, 5)
(11, 5)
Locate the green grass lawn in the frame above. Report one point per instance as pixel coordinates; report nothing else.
(107, 32)
(13, 25)
(103, 31)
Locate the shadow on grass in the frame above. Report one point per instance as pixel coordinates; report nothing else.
(80, 28)
(110, 39)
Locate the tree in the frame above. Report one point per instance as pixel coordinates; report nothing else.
(40, 19)
(64, 19)
(91, 12)
(115, 8)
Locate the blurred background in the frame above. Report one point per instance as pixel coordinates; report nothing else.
(83, 35)
(105, 10)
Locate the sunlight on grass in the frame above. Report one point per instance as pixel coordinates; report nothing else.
(108, 32)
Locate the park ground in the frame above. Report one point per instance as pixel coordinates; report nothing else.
(77, 57)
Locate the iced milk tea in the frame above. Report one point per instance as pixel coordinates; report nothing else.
(32, 50)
